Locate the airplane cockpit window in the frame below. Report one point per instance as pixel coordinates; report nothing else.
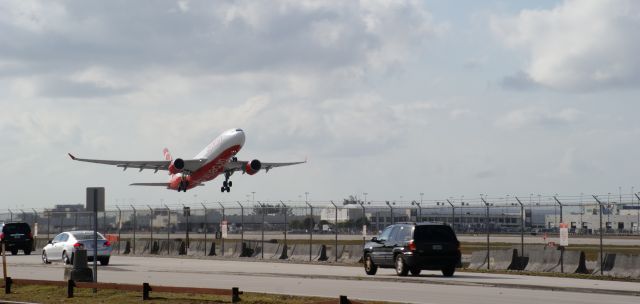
(238, 130)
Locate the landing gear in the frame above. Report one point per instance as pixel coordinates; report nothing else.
(184, 184)
(226, 184)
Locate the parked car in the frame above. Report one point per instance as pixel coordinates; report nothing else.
(410, 247)
(17, 236)
(62, 247)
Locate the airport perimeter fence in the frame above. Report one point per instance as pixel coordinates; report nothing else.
(534, 215)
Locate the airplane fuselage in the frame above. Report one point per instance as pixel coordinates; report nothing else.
(217, 154)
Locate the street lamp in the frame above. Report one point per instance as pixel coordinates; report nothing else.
(419, 209)
(391, 209)
(453, 215)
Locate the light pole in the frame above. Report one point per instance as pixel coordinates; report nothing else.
(419, 209)
(336, 228)
(391, 211)
(487, 223)
(559, 204)
(601, 250)
(453, 215)
(521, 226)
(364, 217)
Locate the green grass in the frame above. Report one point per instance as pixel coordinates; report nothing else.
(54, 294)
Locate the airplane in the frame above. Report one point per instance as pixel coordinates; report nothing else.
(219, 157)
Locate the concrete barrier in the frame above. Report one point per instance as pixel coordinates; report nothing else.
(271, 250)
(608, 261)
(155, 247)
(300, 252)
(39, 244)
(286, 251)
(332, 252)
(127, 247)
(197, 248)
(571, 262)
(478, 260)
(351, 254)
(626, 266)
(502, 259)
(232, 249)
(543, 260)
(212, 249)
(323, 253)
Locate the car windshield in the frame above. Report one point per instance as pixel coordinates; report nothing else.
(81, 236)
(434, 233)
(16, 228)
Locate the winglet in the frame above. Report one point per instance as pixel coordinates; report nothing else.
(72, 157)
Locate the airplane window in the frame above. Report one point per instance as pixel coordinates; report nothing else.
(238, 130)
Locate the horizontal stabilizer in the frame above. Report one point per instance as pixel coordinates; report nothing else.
(150, 184)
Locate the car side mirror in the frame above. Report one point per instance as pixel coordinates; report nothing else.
(374, 239)
(50, 242)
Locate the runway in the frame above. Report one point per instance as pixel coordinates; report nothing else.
(331, 281)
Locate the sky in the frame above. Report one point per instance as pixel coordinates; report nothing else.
(389, 98)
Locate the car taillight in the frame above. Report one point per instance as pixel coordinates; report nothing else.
(412, 245)
(1, 236)
(78, 245)
(30, 235)
(107, 243)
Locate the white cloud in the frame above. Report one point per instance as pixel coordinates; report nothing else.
(578, 45)
(533, 116)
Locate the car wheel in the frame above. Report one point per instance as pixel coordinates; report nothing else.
(104, 261)
(401, 267)
(448, 271)
(27, 251)
(65, 258)
(415, 271)
(45, 259)
(14, 252)
(369, 267)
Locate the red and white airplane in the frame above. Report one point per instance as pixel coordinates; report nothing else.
(217, 158)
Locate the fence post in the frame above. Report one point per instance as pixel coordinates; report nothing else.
(135, 223)
(145, 291)
(601, 250)
(310, 230)
(488, 234)
(168, 230)
(336, 228)
(7, 285)
(205, 229)
(220, 228)
(70, 285)
(241, 223)
(235, 295)
(119, 227)
(286, 210)
(262, 230)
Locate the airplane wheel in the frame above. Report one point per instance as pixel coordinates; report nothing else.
(230, 183)
(225, 184)
(228, 189)
(222, 189)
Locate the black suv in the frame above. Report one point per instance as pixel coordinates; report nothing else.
(17, 236)
(413, 247)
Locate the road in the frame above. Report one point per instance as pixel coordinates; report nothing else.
(331, 281)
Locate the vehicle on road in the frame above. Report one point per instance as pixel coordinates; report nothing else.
(412, 247)
(219, 157)
(17, 236)
(62, 246)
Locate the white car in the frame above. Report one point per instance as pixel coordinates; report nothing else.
(63, 245)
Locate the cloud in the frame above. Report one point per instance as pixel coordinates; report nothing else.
(577, 45)
(537, 117)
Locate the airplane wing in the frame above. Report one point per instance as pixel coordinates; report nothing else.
(241, 164)
(190, 165)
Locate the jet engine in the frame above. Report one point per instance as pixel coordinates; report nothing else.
(253, 167)
(176, 166)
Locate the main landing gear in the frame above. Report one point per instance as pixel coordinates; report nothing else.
(184, 184)
(226, 184)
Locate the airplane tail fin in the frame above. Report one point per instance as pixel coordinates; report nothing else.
(167, 155)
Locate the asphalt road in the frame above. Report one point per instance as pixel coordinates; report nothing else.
(331, 281)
